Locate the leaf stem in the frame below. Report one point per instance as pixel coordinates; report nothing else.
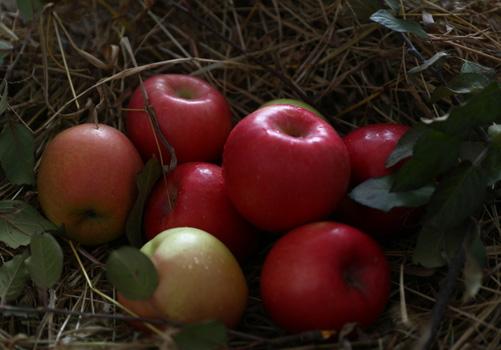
(438, 312)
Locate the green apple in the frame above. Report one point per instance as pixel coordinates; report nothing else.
(87, 182)
(198, 279)
(298, 103)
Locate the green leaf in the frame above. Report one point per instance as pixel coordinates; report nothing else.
(5, 47)
(17, 154)
(471, 150)
(209, 335)
(467, 83)
(473, 67)
(132, 273)
(440, 93)
(472, 79)
(13, 278)
(429, 62)
(481, 109)
(475, 261)
(458, 196)
(386, 19)
(405, 146)
(435, 248)
(394, 5)
(376, 193)
(3, 96)
(428, 250)
(19, 221)
(494, 132)
(45, 264)
(145, 181)
(28, 8)
(492, 163)
(434, 153)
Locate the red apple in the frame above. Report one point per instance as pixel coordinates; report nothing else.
(324, 275)
(377, 222)
(87, 182)
(284, 166)
(198, 279)
(369, 147)
(193, 116)
(194, 195)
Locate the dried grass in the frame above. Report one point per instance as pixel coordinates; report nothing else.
(72, 65)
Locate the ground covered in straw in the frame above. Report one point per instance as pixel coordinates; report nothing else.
(80, 60)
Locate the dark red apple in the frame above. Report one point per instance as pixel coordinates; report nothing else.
(369, 146)
(284, 166)
(194, 195)
(193, 116)
(324, 275)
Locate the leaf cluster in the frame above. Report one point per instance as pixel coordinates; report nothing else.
(452, 166)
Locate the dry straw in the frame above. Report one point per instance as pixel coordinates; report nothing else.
(71, 65)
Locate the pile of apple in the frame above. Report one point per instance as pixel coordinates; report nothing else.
(282, 171)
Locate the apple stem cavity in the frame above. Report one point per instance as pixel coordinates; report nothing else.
(292, 131)
(90, 213)
(351, 278)
(185, 94)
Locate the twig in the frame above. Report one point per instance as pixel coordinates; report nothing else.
(413, 50)
(44, 310)
(152, 115)
(438, 312)
(10, 68)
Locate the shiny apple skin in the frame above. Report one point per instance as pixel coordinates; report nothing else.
(194, 195)
(194, 117)
(369, 147)
(87, 182)
(199, 280)
(324, 275)
(284, 166)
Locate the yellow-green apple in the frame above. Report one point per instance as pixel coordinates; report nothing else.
(194, 117)
(194, 195)
(283, 166)
(324, 275)
(369, 146)
(293, 102)
(87, 182)
(198, 279)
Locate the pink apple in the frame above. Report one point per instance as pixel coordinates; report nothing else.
(194, 195)
(198, 279)
(87, 182)
(369, 146)
(284, 166)
(194, 117)
(324, 275)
